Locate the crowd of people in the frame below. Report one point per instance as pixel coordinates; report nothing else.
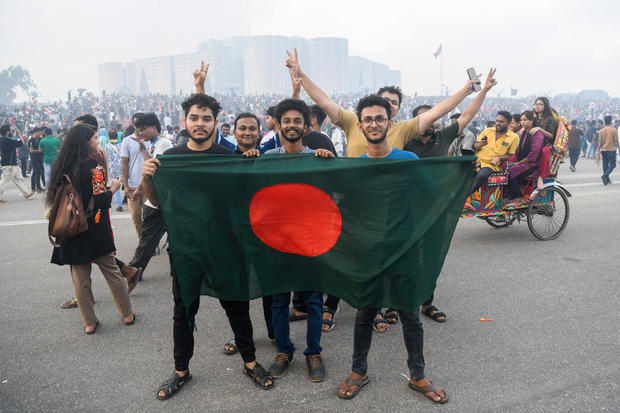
(110, 144)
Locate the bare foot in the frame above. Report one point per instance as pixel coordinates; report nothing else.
(346, 390)
(130, 319)
(540, 183)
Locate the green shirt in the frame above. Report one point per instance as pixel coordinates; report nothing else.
(50, 145)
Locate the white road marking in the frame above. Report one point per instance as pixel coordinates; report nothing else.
(44, 221)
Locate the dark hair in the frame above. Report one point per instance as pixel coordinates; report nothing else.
(505, 114)
(607, 120)
(88, 120)
(598, 121)
(74, 150)
(528, 114)
(394, 90)
(130, 130)
(135, 117)
(455, 116)
(490, 124)
(244, 115)
(573, 122)
(373, 100)
(148, 119)
(317, 112)
(417, 109)
(113, 134)
(293, 104)
(202, 101)
(4, 129)
(47, 131)
(225, 125)
(516, 117)
(271, 111)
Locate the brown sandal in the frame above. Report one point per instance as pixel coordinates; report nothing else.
(432, 388)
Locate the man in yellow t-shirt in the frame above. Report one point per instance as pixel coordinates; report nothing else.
(493, 147)
(398, 135)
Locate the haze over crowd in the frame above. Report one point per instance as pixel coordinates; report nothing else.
(539, 47)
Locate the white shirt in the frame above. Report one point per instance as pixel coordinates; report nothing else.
(158, 147)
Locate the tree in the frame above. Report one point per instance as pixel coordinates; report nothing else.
(12, 78)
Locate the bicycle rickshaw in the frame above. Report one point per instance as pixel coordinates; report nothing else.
(546, 211)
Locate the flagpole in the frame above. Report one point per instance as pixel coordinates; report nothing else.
(441, 72)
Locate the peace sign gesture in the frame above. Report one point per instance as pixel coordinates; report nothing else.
(292, 63)
(200, 76)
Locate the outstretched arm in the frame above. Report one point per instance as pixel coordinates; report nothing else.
(296, 82)
(426, 119)
(200, 76)
(321, 98)
(471, 110)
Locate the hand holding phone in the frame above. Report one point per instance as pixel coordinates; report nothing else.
(471, 72)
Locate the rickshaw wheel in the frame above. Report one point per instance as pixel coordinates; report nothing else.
(547, 214)
(501, 221)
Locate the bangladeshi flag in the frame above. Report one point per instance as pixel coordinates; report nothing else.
(373, 232)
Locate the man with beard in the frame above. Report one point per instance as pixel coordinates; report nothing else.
(201, 122)
(293, 115)
(494, 146)
(374, 122)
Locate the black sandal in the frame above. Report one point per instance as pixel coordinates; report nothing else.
(391, 316)
(434, 313)
(259, 376)
(232, 344)
(329, 323)
(377, 321)
(172, 385)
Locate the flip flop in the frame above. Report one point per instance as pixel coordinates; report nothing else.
(233, 345)
(359, 383)
(432, 388)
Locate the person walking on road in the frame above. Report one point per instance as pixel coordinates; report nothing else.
(10, 171)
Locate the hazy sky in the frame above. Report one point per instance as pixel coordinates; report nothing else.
(539, 47)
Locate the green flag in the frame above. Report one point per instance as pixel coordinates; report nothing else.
(373, 232)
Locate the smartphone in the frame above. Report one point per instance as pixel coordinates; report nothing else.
(471, 72)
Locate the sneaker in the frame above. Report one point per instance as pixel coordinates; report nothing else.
(604, 180)
(280, 365)
(572, 168)
(316, 369)
(30, 195)
(119, 209)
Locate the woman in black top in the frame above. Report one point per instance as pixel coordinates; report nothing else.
(544, 122)
(79, 158)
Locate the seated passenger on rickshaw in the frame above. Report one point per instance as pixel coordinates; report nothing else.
(526, 159)
(493, 147)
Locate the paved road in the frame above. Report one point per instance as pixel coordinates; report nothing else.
(554, 344)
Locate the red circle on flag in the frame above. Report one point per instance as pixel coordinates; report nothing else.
(296, 218)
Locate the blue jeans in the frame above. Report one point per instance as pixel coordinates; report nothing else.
(117, 196)
(413, 333)
(47, 171)
(609, 162)
(280, 310)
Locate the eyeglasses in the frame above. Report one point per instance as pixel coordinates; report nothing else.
(380, 121)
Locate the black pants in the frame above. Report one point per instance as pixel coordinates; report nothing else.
(514, 182)
(37, 175)
(24, 165)
(152, 230)
(267, 302)
(332, 302)
(182, 333)
(573, 153)
(481, 178)
(238, 313)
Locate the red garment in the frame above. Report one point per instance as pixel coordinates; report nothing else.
(544, 164)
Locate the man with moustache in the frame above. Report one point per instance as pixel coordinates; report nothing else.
(293, 116)
(494, 146)
(374, 122)
(201, 122)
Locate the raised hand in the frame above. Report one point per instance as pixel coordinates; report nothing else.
(293, 65)
(200, 76)
(490, 82)
(469, 86)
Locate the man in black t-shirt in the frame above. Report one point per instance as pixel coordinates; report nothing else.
(431, 144)
(201, 121)
(36, 160)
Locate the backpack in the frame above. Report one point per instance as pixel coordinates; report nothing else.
(67, 216)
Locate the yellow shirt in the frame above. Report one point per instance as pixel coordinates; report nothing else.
(398, 135)
(506, 145)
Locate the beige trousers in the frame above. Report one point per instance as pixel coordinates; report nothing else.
(135, 209)
(84, 292)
